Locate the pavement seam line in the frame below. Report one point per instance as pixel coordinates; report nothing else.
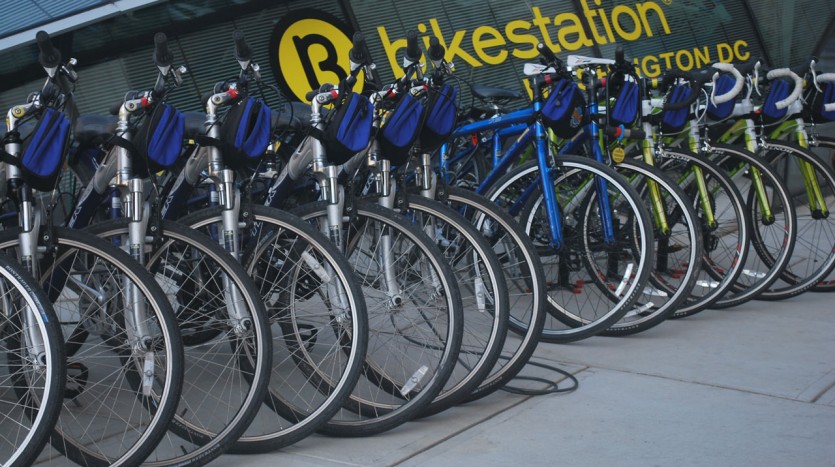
(822, 392)
(700, 383)
(478, 422)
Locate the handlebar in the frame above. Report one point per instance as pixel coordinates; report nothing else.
(242, 51)
(327, 87)
(162, 56)
(359, 52)
(798, 85)
(738, 83)
(696, 79)
(49, 57)
(619, 58)
(547, 54)
(436, 51)
(413, 52)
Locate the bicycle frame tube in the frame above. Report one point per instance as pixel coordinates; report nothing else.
(797, 129)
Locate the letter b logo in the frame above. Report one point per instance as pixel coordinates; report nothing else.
(308, 48)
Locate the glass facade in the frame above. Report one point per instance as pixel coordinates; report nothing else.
(488, 41)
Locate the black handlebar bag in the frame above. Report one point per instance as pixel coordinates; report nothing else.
(627, 104)
(158, 140)
(819, 99)
(673, 121)
(348, 129)
(564, 112)
(441, 117)
(400, 129)
(245, 133)
(777, 91)
(42, 153)
(724, 110)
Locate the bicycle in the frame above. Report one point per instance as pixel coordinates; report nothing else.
(218, 309)
(115, 317)
(629, 277)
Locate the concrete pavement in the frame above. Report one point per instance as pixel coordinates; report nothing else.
(753, 385)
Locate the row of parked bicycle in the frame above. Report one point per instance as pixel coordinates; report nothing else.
(239, 278)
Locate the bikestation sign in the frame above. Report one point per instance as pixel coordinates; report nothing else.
(311, 46)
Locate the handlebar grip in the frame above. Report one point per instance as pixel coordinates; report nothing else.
(311, 94)
(357, 53)
(436, 51)
(798, 85)
(242, 51)
(49, 56)
(162, 56)
(738, 84)
(673, 74)
(619, 58)
(623, 133)
(412, 49)
(546, 53)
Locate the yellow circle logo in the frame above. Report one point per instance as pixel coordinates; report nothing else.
(309, 48)
(618, 155)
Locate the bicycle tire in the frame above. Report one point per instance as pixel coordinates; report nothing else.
(484, 297)
(301, 397)
(80, 271)
(678, 252)
(526, 284)
(727, 244)
(204, 281)
(34, 384)
(773, 241)
(815, 258)
(362, 415)
(824, 148)
(574, 320)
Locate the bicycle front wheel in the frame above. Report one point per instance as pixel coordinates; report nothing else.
(32, 367)
(126, 370)
(414, 312)
(814, 197)
(227, 339)
(319, 322)
(592, 282)
(824, 148)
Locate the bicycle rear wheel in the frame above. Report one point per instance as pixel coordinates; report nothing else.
(32, 367)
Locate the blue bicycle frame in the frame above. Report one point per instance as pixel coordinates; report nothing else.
(507, 124)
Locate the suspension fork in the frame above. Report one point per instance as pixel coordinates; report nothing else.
(753, 145)
(817, 203)
(659, 211)
(28, 240)
(386, 187)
